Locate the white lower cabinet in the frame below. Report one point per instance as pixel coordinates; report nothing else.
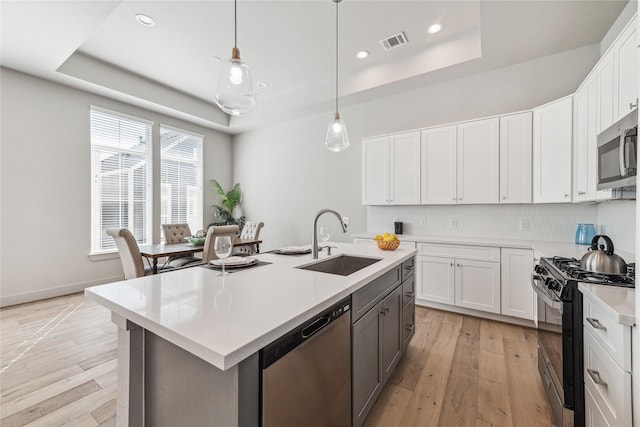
(477, 285)
(517, 294)
(470, 278)
(607, 367)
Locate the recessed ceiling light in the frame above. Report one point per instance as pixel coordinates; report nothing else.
(145, 20)
(362, 54)
(262, 85)
(435, 28)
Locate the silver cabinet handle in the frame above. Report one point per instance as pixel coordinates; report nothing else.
(453, 198)
(504, 197)
(451, 264)
(384, 311)
(595, 376)
(632, 105)
(409, 327)
(409, 294)
(457, 265)
(596, 323)
(565, 195)
(459, 198)
(581, 193)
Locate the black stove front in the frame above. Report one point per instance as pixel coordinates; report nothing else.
(560, 342)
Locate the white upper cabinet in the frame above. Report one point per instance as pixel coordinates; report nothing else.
(439, 165)
(585, 105)
(478, 161)
(552, 134)
(606, 90)
(515, 158)
(375, 171)
(404, 169)
(391, 169)
(625, 53)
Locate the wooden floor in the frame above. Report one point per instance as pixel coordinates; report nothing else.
(58, 367)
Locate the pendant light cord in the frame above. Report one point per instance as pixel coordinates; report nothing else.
(235, 23)
(337, 2)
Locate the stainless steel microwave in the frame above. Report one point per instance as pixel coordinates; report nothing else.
(618, 154)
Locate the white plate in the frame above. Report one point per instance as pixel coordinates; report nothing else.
(293, 250)
(234, 261)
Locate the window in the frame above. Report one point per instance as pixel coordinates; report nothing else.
(121, 168)
(181, 177)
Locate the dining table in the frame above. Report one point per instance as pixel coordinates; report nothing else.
(161, 250)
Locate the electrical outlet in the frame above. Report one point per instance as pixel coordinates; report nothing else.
(524, 225)
(345, 220)
(453, 223)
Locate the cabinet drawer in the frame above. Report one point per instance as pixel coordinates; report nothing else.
(612, 336)
(408, 324)
(610, 386)
(593, 414)
(479, 253)
(408, 268)
(365, 298)
(408, 290)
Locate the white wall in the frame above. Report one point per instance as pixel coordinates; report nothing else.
(45, 177)
(288, 175)
(617, 219)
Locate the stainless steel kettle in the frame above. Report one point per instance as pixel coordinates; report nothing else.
(599, 260)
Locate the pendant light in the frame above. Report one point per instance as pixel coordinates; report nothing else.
(337, 138)
(236, 94)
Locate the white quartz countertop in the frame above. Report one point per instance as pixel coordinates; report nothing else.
(223, 320)
(541, 248)
(618, 301)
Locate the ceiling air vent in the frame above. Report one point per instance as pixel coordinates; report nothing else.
(394, 41)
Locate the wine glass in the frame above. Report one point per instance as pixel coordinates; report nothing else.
(222, 247)
(324, 234)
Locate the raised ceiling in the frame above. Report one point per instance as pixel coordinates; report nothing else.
(171, 67)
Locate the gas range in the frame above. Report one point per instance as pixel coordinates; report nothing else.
(567, 272)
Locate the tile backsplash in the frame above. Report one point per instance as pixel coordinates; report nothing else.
(526, 222)
(617, 220)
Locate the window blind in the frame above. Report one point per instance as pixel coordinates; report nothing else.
(181, 177)
(121, 170)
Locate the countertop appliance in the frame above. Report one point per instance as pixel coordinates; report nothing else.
(602, 259)
(617, 154)
(560, 335)
(306, 374)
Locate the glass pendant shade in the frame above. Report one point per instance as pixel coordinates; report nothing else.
(235, 94)
(337, 137)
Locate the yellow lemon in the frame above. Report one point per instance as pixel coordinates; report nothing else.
(388, 239)
(386, 235)
(394, 237)
(378, 237)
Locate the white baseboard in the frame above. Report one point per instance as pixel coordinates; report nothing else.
(7, 300)
(476, 313)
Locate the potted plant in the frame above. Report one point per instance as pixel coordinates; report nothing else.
(230, 201)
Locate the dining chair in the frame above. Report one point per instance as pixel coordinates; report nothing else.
(173, 234)
(130, 256)
(209, 254)
(250, 231)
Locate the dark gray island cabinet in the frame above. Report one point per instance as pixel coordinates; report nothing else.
(190, 342)
(383, 320)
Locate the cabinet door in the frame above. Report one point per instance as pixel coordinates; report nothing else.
(404, 180)
(585, 141)
(367, 375)
(477, 285)
(375, 171)
(517, 294)
(478, 162)
(439, 166)
(436, 279)
(515, 158)
(607, 91)
(626, 65)
(552, 133)
(392, 323)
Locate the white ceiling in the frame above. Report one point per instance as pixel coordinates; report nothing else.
(170, 67)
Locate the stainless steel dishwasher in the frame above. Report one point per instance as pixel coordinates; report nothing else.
(306, 374)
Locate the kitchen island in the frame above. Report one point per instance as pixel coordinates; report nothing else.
(188, 340)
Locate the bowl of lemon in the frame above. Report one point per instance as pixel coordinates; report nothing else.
(387, 242)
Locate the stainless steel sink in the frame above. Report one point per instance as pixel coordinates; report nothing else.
(342, 265)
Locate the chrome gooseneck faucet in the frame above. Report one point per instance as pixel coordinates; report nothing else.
(314, 241)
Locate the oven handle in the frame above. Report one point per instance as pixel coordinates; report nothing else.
(555, 303)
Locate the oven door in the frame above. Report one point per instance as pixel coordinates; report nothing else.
(555, 343)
